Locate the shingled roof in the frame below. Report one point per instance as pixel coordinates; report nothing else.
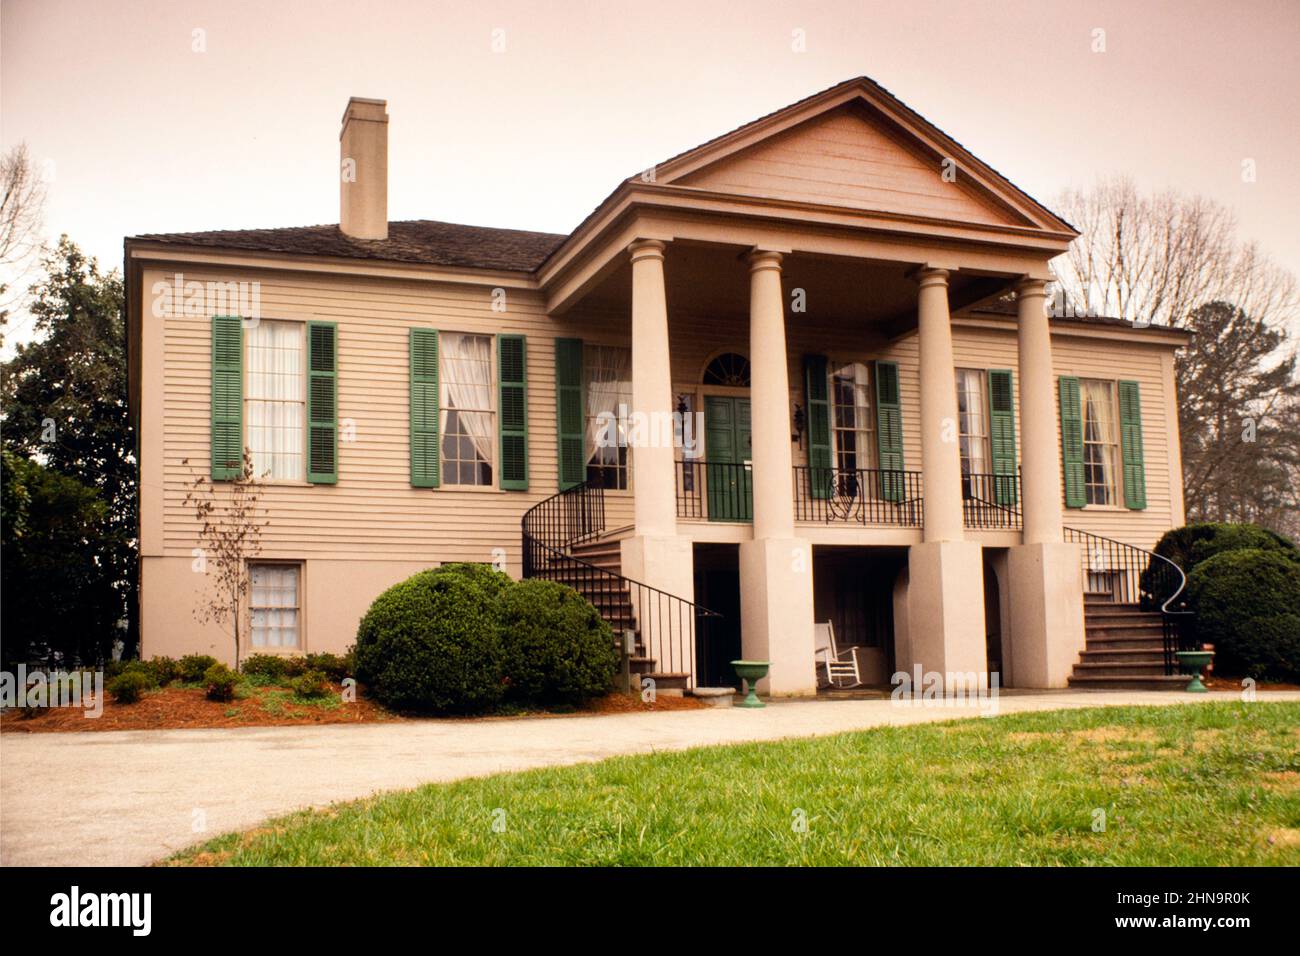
(422, 241)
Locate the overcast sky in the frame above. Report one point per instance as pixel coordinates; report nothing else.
(149, 126)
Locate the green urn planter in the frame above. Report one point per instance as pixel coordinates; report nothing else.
(751, 672)
(1191, 662)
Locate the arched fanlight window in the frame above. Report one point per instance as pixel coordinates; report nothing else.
(728, 369)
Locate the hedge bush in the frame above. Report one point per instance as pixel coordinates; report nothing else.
(558, 649)
(312, 684)
(268, 666)
(1247, 604)
(1191, 544)
(165, 670)
(192, 667)
(431, 643)
(142, 669)
(127, 686)
(219, 682)
(335, 667)
(484, 576)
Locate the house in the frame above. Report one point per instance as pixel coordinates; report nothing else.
(804, 372)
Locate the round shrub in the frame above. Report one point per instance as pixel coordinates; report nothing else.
(558, 649)
(1191, 544)
(294, 666)
(219, 682)
(492, 581)
(192, 667)
(165, 670)
(144, 670)
(1247, 604)
(127, 687)
(335, 667)
(266, 666)
(312, 684)
(431, 644)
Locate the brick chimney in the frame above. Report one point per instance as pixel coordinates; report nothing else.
(363, 169)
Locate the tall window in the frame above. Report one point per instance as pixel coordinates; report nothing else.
(608, 374)
(275, 601)
(972, 422)
(854, 425)
(274, 399)
(1100, 441)
(466, 420)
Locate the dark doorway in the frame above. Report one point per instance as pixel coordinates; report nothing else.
(717, 587)
(992, 616)
(853, 589)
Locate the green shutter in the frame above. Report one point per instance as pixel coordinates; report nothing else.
(816, 392)
(227, 397)
(1130, 433)
(322, 403)
(1002, 435)
(570, 416)
(424, 407)
(1072, 442)
(512, 371)
(889, 430)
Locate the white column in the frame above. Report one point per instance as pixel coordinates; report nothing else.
(945, 580)
(776, 592)
(654, 553)
(769, 399)
(1044, 575)
(655, 502)
(940, 451)
(1040, 462)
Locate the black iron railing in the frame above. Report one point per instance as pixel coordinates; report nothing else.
(990, 501)
(1123, 573)
(1127, 574)
(867, 496)
(667, 627)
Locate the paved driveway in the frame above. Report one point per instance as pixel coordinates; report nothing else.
(131, 797)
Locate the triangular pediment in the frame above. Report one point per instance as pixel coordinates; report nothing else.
(856, 146)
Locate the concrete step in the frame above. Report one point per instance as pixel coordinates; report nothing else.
(1120, 668)
(1109, 617)
(1095, 655)
(1172, 682)
(1119, 632)
(591, 550)
(1125, 644)
(670, 683)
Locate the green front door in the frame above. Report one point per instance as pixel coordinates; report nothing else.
(727, 452)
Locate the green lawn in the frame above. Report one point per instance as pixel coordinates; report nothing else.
(1202, 784)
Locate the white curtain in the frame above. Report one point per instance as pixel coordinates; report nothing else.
(609, 384)
(274, 601)
(275, 399)
(1099, 432)
(466, 385)
(974, 429)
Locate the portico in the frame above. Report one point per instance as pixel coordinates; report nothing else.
(820, 298)
(944, 589)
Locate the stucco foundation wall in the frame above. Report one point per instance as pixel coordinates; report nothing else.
(336, 594)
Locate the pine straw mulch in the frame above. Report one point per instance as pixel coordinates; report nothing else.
(187, 708)
(1215, 682)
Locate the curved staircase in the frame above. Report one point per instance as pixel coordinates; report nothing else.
(565, 541)
(1124, 648)
(1134, 610)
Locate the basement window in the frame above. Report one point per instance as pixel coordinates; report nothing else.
(276, 605)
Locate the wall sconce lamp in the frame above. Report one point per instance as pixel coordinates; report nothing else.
(800, 421)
